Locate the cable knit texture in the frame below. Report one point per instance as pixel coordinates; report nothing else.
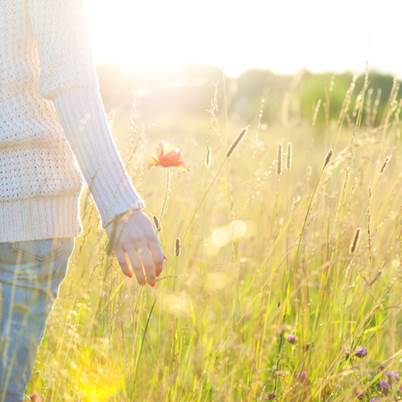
(54, 133)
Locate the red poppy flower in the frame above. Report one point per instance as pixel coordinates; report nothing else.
(167, 155)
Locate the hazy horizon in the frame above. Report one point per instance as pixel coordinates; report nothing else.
(235, 74)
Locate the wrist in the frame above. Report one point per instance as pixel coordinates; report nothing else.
(123, 216)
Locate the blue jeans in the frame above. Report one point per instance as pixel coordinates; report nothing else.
(30, 275)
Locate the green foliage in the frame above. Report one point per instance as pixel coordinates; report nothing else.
(326, 88)
(331, 89)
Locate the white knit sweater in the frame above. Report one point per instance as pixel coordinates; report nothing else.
(53, 128)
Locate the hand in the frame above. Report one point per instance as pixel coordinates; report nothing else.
(135, 239)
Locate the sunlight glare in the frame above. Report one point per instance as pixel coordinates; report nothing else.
(235, 35)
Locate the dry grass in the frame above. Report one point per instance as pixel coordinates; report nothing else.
(314, 251)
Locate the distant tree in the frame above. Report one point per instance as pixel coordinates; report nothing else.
(189, 91)
(322, 96)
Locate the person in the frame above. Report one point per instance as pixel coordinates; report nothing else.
(54, 136)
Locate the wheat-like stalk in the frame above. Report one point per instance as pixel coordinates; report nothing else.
(236, 142)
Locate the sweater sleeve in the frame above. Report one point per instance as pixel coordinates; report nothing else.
(68, 77)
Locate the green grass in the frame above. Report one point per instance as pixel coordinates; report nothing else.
(263, 255)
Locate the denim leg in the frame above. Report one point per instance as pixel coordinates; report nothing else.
(30, 276)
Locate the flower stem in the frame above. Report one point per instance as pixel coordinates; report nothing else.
(167, 193)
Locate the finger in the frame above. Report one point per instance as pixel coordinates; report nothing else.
(121, 257)
(148, 265)
(157, 255)
(135, 262)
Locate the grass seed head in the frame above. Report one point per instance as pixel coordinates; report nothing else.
(208, 157)
(327, 158)
(236, 142)
(279, 160)
(177, 247)
(289, 156)
(385, 164)
(316, 111)
(355, 241)
(156, 222)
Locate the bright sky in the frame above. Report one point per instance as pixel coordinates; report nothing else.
(282, 35)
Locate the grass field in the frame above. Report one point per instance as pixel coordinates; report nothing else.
(284, 268)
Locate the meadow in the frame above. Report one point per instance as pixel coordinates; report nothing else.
(284, 276)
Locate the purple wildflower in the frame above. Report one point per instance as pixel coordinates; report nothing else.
(361, 352)
(375, 399)
(302, 377)
(393, 376)
(384, 386)
(292, 338)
